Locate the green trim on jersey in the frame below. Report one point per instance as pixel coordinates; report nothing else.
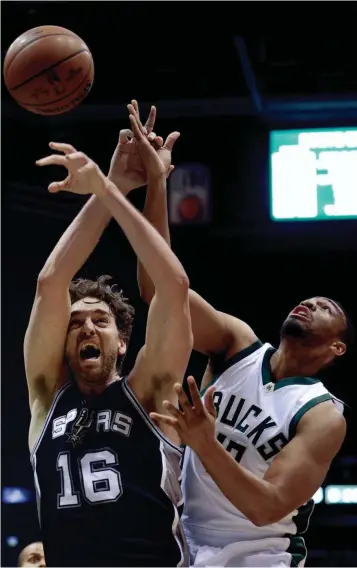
(297, 547)
(268, 379)
(307, 406)
(221, 367)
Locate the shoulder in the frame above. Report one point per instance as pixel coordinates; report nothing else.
(323, 428)
(324, 416)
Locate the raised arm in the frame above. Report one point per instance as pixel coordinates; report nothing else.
(169, 336)
(214, 332)
(47, 329)
(168, 341)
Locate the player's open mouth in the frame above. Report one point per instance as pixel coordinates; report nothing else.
(89, 351)
(301, 312)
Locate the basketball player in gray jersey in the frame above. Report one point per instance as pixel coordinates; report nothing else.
(263, 443)
(106, 476)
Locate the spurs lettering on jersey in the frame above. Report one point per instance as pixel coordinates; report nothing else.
(80, 422)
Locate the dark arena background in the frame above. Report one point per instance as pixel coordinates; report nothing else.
(256, 90)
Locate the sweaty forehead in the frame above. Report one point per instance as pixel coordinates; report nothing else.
(90, 304)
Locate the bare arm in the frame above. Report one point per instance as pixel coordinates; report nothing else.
(47, 329)
(292, 478)
(46, 333)
(168, 336)
(169, 317)
(213, 331)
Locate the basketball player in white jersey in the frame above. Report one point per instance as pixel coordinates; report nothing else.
(263, 444)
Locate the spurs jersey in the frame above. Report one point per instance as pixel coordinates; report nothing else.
(108, 483)
(256, 418)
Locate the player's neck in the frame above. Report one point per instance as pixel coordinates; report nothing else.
(294, 361)
(89, 388)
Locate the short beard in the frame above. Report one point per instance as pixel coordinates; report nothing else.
(101, 376)
(293, 328)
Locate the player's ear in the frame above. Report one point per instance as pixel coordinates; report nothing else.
(122, 347)
(339, 348)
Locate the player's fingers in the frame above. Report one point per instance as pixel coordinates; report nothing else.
(152, 137)
(150, 123)
(173, 410)
(56, 186)
(171, 169)
(62, 147)
(125, 136)
(165, 419)
(208, 399)
(134, 111)
(136, 128)
(90, 166)
(159, 141)
(135, 105)
(183, 400)
(170, 140)
(195, 395)
(53, 160)
(76, 161)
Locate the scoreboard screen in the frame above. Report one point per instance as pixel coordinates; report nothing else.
(313, 174)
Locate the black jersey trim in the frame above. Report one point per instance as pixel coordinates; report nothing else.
(131, 396)
(49, 416)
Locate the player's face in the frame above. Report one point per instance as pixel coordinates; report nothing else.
(33, 555)
(319, 320)
(93, 342)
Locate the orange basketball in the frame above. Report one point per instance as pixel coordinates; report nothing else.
(48, 70)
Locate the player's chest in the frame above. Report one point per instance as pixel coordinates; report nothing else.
(250, 424)
(80, 426)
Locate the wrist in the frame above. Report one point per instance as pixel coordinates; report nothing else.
(122, 190)
(208, 448)
(107, 187)
(159, 181)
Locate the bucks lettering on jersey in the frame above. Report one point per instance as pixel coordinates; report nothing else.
(108, 483)
(256, 418)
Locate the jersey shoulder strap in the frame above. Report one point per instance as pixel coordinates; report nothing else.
(311, 396)
(220, 365)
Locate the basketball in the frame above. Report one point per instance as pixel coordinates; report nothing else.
(48, 70)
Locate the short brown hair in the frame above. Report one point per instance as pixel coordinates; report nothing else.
(122, 311)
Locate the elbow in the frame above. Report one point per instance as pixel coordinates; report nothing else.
(267, 517)
(258, 518)
(181, 284)
(44, 280)
(48, 280)
(270, 512)
(178, 288)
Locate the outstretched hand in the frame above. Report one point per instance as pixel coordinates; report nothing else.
(84, 176)
(154, 165)
(161, 164)
(195, 423)
(127, 169)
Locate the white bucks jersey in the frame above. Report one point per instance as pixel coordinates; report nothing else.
(256, 418)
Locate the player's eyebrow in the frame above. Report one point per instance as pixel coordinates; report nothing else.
(97, 311)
